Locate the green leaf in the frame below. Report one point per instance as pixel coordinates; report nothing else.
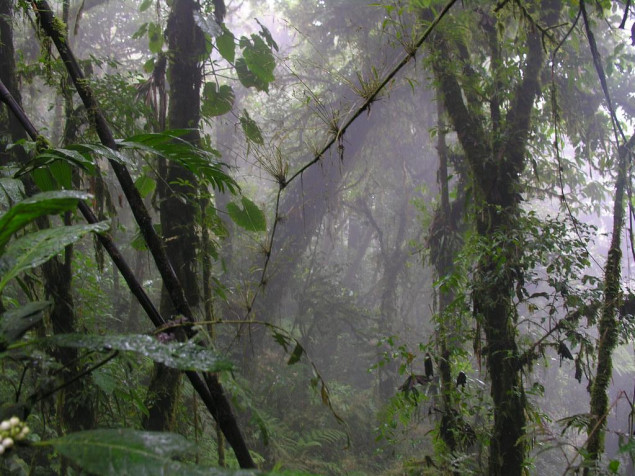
(266, 34)
(249, 79)
(27, 210)
(155, 37)
(226, 44)
(296, 354)
(120, 452)
(145, 5)
(62, 173)
(251, 129)
(14, 323)
(250, 217)
(202, 163)
(36, 248)
(11, 191)
(614, 466)
(178, 355)
(44, 180)
(146, 185)
(259, 58)
(217, 101)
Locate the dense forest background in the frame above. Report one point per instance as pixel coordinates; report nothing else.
(327, 237)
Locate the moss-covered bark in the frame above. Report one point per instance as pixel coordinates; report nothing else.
(177, 191)
(494, 148)
(608, 326)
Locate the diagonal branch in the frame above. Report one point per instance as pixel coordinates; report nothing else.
(222, 410)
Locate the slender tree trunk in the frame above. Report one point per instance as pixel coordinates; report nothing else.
(178, 191)
(608, 327)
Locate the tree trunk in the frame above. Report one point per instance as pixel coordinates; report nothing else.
(608, 327)
(177, 192)
(496, 158)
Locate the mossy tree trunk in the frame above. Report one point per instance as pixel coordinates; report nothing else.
(608, 326)
(494, 148)
(178, 190)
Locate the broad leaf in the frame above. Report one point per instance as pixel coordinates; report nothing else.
(36, 248)
(119, 452)
(248, 78)
(146, 185)
(226, 44)
(47, 203)
(217, 101)
(202, 163)
(14, 323)
(155, 38)
(259, 58)
(178, 355)
(250, 217)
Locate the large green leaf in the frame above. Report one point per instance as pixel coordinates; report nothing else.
(226, 45)
(248, 78)
(178, 355)
(155, 37)
(47, 203)
(120, 452)
(217, 101)
(36, 248)
(250, 217)
(203, 163)
(259, 58)
(14, 323)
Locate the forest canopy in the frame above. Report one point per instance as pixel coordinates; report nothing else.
(330, 237)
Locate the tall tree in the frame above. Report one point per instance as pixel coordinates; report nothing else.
(493, 139)
(177, 191)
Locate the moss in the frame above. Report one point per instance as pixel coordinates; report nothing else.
(60, 28)
(41, 144)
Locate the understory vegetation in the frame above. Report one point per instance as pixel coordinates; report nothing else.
(330, 237)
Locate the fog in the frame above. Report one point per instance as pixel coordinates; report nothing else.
(344, 267)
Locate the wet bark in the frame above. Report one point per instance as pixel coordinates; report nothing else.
(177, 192)
(496, 157)
(608, 326)
(211, 387)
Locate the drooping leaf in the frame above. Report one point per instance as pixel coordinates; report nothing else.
(11, 192)
(247, 78)
(155, 38)
(217, 101)
(296, 354)
(178, 355)
(146, 185)
(259, 58)
(120, 452)
(145, 5)
(226, 44)
(14, 323)
(202, 163)
(266, 34)
(44, 180)
(251, 129)
(27, 210)
(249, 217)
(36, 248)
